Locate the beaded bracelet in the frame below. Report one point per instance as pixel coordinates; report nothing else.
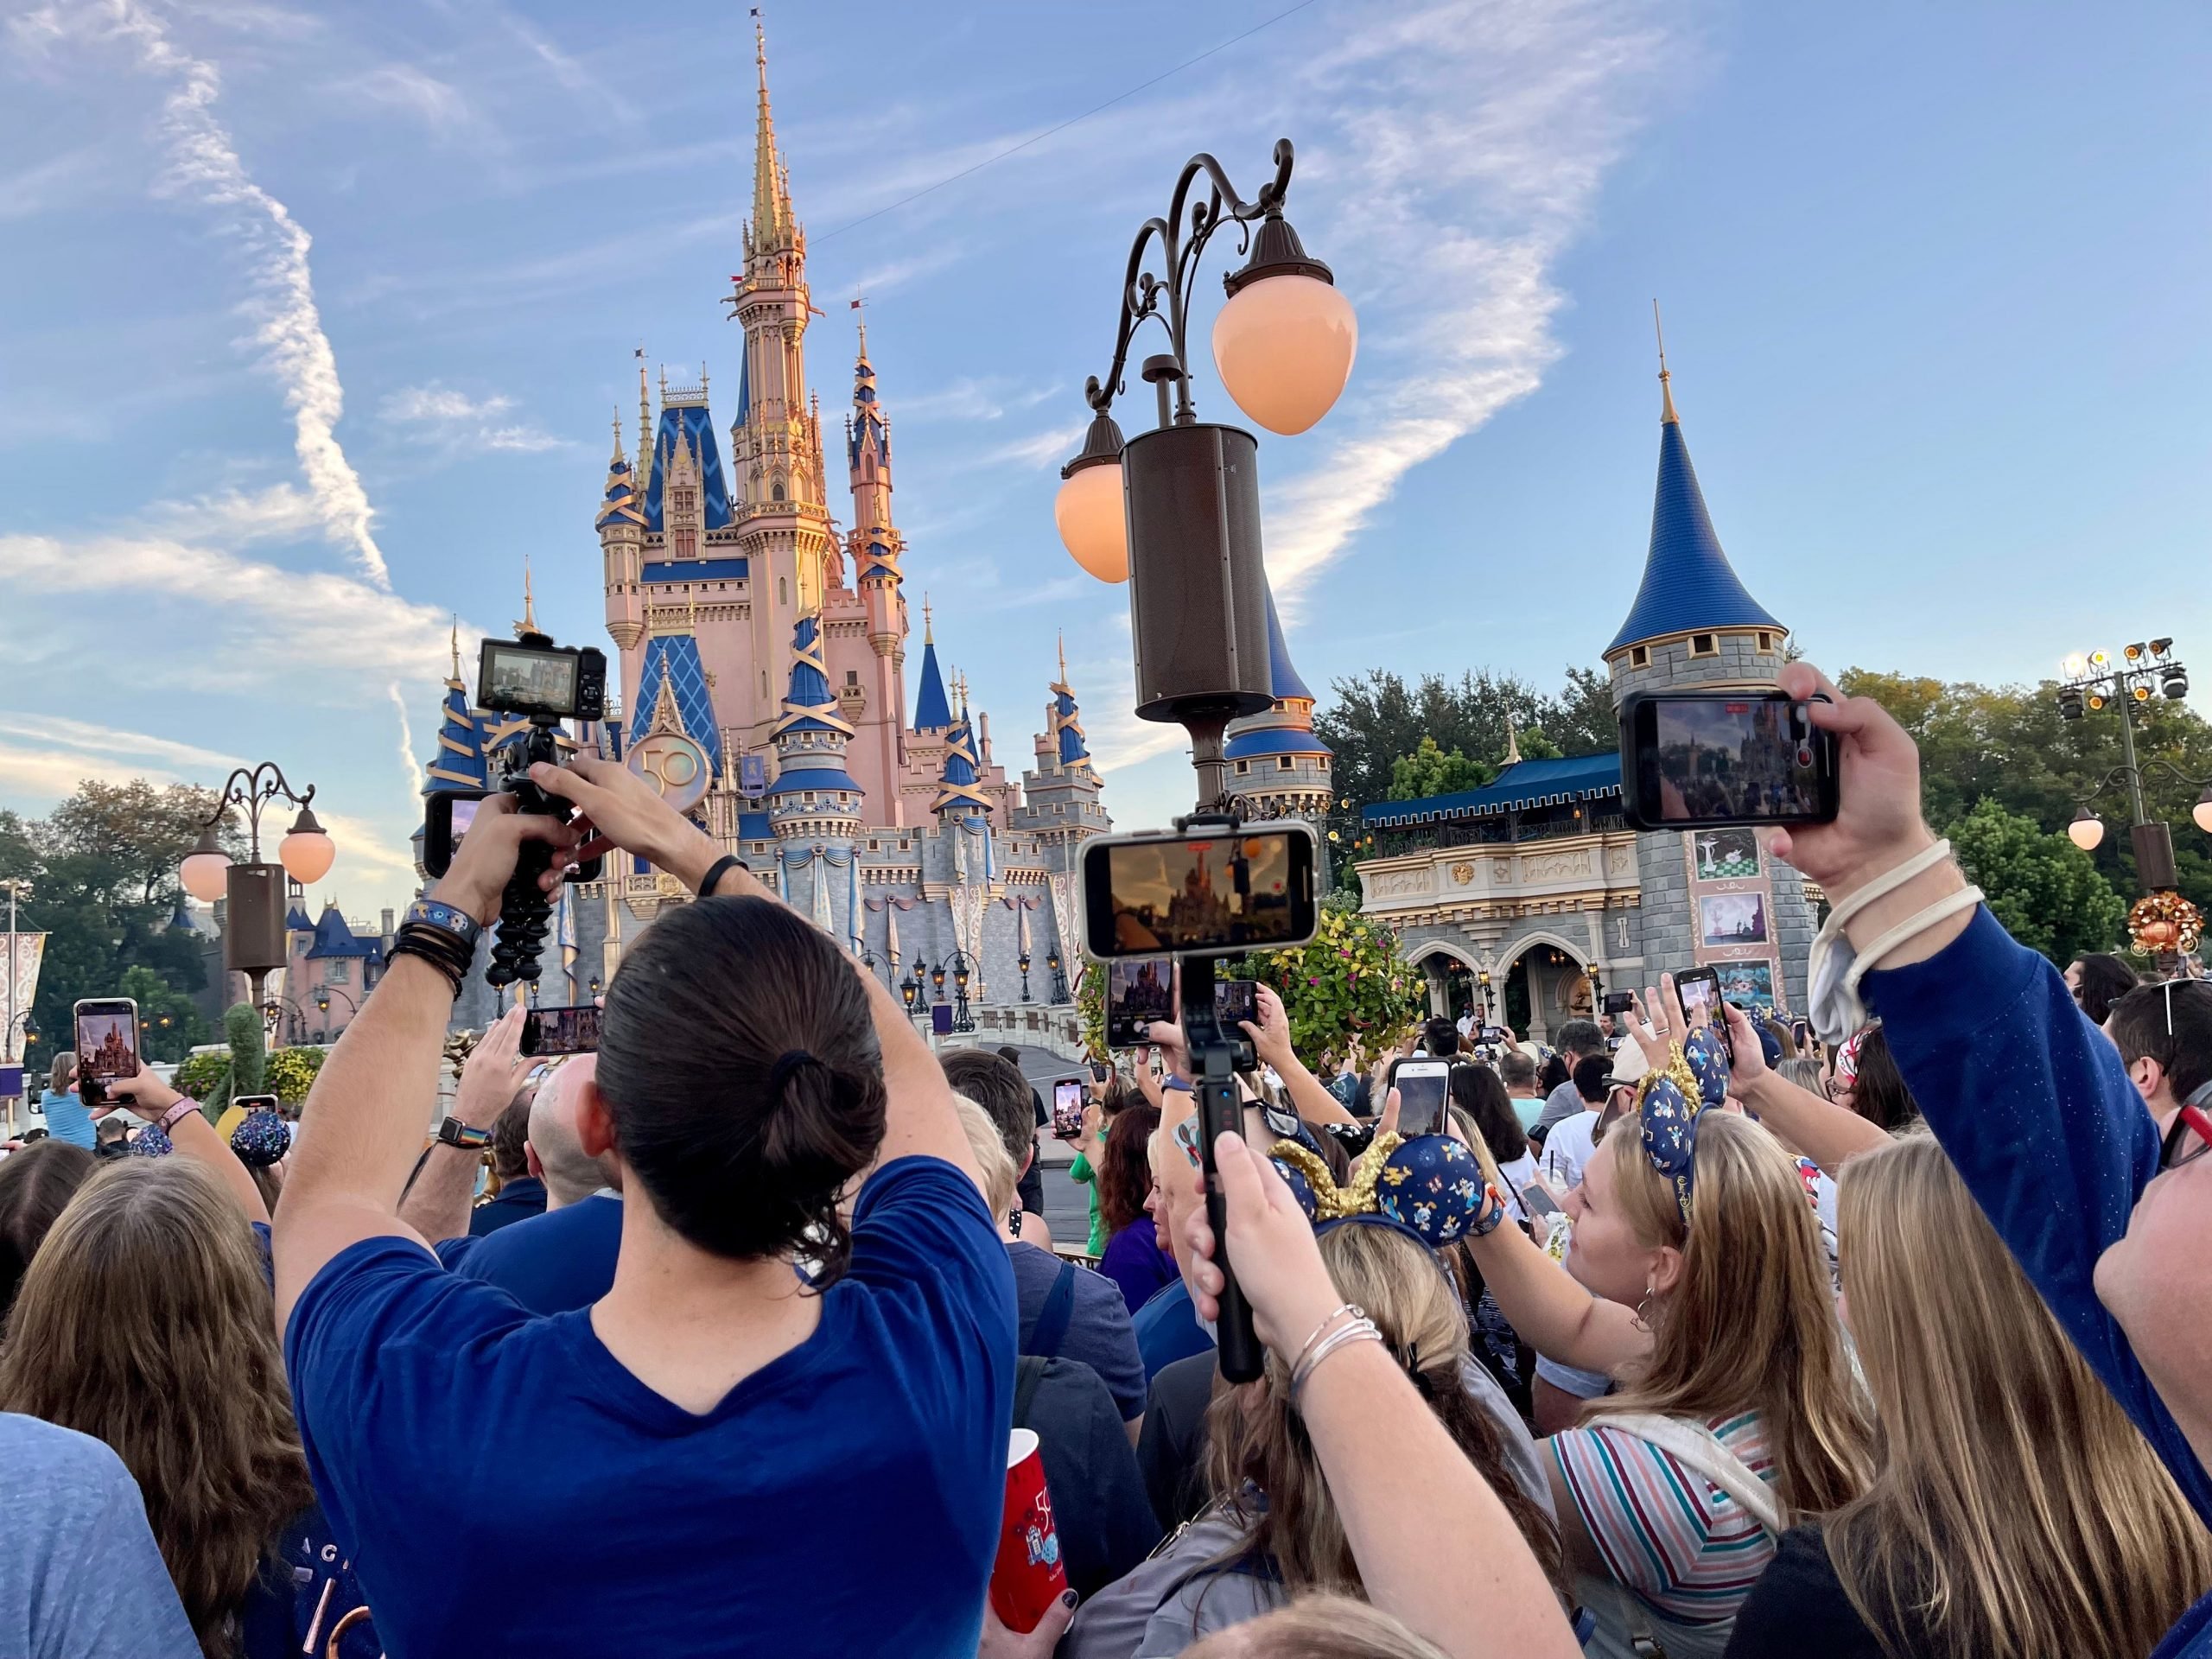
(1360, 1330)
(446, 952)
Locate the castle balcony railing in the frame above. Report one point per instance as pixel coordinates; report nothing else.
(1472, 878)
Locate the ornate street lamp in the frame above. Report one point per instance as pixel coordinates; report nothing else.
(1022, 962)
(1176, 509)
(962, 967)
(937, 982)
(253, 916)
(1482, 983)
(1059, 978)
(910, 988)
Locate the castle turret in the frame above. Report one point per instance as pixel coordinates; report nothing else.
(958, 792)
(621, 526)
(875, 545)
(1278, 768)
(813, 797)
(1060, 799)
(933, 712)
(1694, 625)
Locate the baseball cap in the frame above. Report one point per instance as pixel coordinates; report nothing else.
(1629, 1067)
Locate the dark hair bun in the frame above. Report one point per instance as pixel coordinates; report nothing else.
(739, 1060)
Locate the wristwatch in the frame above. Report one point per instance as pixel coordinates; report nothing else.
(455, 1133)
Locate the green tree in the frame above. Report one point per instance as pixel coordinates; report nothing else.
(1430, 771)
(2044, 889)
(1534, 746)
(1375, 718)
(169, 1025)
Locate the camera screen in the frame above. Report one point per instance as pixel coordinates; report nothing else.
(107, 1041)
(1139, 990)
(1747, 757)
(1067, 1107)
(1422, 1094)
(518, 680)
(562, 1031)
(1235, 1001)
(1201, 895)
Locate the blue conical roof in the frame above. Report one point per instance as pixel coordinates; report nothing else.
(458, 763)
(957, 790)
(809, 706)
(1283, 675)
(932, 711)
(1687, 582)
(674, 658)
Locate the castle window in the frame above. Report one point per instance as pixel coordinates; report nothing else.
(1284, 763)
(1639, 656)
(776, 494)
(1704, 644)
(852, 677)
(782, 592)
(1766, 640)
(1243, 766)
(764, 682)
(1321, 761)
(875, 846)
(1059, 809)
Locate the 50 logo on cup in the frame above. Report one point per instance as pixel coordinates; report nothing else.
(1028, 1577)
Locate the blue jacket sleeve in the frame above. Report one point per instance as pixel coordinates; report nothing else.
(2033, 1106)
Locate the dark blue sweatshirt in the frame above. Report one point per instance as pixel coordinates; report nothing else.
(2032, 1105)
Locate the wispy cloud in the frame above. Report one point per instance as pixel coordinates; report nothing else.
(987, 398)
(594, 95)
(59, 181)
(204, 162)
(439, 414)
(1478, 134)
(281, 512)
(438, 104)
(89, 738)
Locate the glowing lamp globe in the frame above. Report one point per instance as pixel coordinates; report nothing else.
(1089, 509)
(206, 869)
(2202, 812)
(2087, 830)
(307, 852)
(1284, 344)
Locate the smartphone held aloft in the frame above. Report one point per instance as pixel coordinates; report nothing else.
(107, 1030)
(1702, 759)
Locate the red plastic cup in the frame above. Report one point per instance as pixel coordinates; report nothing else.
(1028, 1577)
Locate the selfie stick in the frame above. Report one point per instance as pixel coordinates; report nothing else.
(1215, 1055)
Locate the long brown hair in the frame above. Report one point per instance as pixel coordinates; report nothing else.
(1124, 1172)
(1750, 1322)
(2015, 1511)
(1258, 1439)
(144, 1321)
(36, 1186)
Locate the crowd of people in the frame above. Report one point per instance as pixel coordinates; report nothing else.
(1685, 1338)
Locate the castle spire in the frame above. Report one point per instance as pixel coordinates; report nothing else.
(1667, 416)
(1688, 584)
(644, 461)
(455, 681)
(528, 623)
(771, 207)
(932, 708)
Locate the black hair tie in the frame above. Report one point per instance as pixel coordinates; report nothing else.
(786, 1063)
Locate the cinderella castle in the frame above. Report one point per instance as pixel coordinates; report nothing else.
(764, 676)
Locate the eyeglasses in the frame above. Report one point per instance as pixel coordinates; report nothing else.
(2189, 1139)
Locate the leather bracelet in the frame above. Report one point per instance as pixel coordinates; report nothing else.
(442, 942)
(420, 952)
(721, 867)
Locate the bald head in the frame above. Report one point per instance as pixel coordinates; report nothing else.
(556, 1148)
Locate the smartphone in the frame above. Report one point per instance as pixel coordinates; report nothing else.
(1235, 1000)
(1693, 760)
(107, 1045)
(255, 1103)
(1423, 1086)
(1699, 987)
(1210, 892)
(1537, 1202)
(1619, 1001)
(572, 1030)
(1496, 1035)
(1100, 1071)
(1139, 990)
(1067, 1108)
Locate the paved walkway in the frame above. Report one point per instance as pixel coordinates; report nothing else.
(1067, 1205)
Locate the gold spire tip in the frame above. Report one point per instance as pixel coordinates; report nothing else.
(929, 636)
(1667, 416)
(456, 647)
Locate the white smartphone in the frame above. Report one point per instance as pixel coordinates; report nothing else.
(1423, 1086)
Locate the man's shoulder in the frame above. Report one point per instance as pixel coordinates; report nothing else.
(602, 1211)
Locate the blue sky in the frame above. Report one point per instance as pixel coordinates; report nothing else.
(315, 316)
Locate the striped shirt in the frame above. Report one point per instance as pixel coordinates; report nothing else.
(1682, 1545)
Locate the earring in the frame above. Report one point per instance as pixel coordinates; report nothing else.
(1642, 1308)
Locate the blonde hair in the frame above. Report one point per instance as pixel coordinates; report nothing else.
(991, 1161)
(1318, 1627)
(144, 1322)
(65, 1072)
(1750, 1322)
(1258, 1439)
(2016, 1509)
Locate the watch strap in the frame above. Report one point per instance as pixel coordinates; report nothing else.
(433, 912)
(721, 867)
(455, 1133)
(177, 1114)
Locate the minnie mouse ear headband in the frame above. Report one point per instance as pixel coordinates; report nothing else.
(1846, 1057)
(1669, 1103)
(1430, 1186)
(260, 1138)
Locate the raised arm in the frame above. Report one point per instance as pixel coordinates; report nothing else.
(192, 1135)
(1825, 1132)
(1550, 1309)
(362, 1129)
(1270, 1036)
(628, 812)
(436, 1206)
(1436, 1547)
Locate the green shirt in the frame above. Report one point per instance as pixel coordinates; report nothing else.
(1081, 1171)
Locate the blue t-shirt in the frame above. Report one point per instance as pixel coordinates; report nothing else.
(1167, 1329)
(518, 1200)
(2192, 1637)
(1097, 1331)
(843, 1499)
(306, 1587)
(81, 1577)
(553, 1263)
(68, 1118)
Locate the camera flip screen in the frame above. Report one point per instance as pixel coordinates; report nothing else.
(1209, 894)
(522, 681)
(1744, 759)
(1139, 990)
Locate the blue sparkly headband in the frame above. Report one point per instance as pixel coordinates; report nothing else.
(1671, 1101)
(1430, 1186)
